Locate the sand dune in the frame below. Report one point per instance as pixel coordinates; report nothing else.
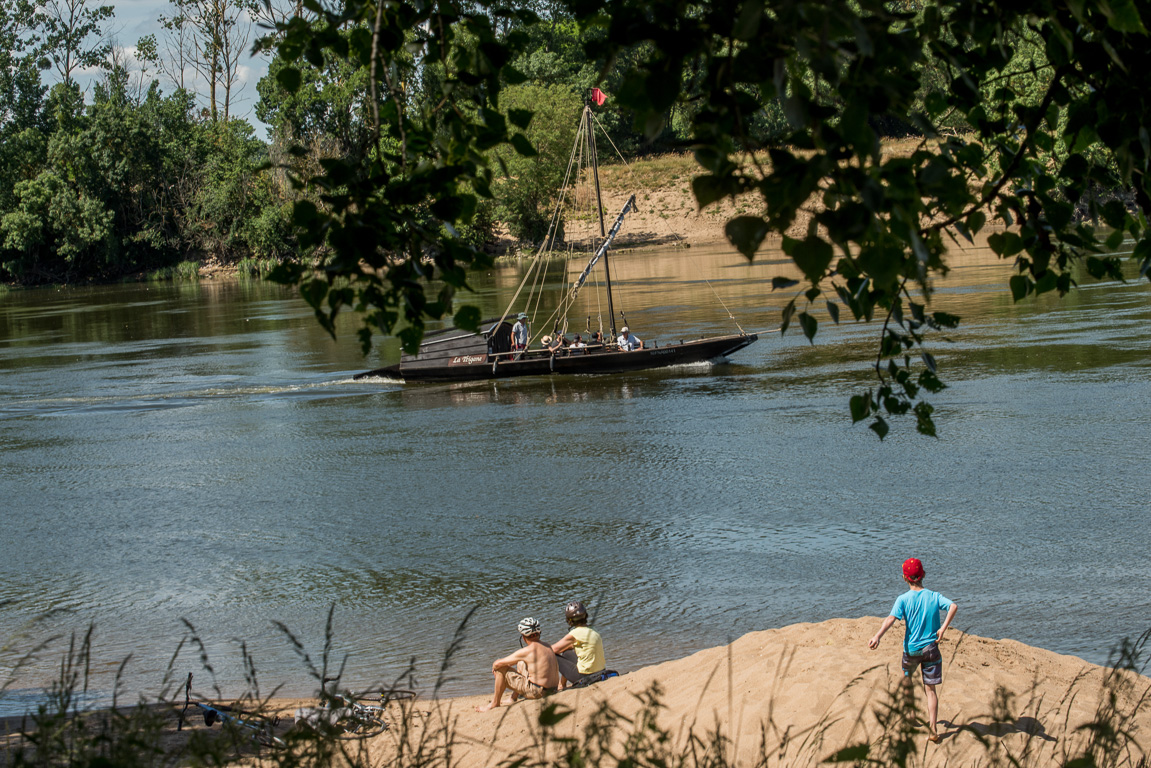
(806, 691)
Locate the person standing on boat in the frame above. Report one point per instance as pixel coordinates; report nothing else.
(580, 651)
(520, 333)
(627, 342)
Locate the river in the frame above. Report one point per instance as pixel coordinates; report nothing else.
(199, 455)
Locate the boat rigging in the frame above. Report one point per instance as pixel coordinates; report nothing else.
(455, 355)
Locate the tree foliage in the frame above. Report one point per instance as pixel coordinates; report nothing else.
(1026, 114)
(393, 123)
(529, 185)
(387, 224)
(1051, 99)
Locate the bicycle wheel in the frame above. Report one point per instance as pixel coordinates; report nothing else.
(262, 728)
(360, 721)
(269, 739)
(397, 694)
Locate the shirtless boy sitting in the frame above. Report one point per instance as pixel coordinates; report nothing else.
(531, 672)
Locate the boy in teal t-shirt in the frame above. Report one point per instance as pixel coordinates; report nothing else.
(919, 609)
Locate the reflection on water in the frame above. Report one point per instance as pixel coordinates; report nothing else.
(201, 452)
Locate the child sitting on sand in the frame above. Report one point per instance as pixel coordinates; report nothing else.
(919, 609)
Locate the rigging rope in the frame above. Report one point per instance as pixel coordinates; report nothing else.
(533, 267)
(717, 296)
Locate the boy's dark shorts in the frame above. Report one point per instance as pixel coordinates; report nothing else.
(931, 661)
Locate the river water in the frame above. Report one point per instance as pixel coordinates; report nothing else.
(200, 453)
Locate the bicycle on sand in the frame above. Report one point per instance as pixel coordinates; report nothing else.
(260, 728)
(351, 715)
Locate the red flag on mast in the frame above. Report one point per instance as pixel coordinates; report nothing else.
(598, 96)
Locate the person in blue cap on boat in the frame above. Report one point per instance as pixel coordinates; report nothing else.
(520, 333)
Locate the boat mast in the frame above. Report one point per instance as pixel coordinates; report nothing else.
(599, 210)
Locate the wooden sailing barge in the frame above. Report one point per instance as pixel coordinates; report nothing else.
(455, 355)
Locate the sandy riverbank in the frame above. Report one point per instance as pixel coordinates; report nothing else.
(808, 690)
(800, 694)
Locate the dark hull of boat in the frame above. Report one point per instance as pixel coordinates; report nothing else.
(540, 363)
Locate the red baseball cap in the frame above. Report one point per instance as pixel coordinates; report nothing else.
(913, 569)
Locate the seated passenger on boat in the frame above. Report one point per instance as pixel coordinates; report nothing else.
(552, 344)
(520, 333)
(577, 345)
(627, 342)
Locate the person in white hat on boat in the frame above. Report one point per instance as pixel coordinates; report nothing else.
(627, 342)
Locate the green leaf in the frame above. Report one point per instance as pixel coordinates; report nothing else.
(923, 422)
(520, 118)
(708, 188)
(976, 221)
(833, 311)
(879, 427)
(1075, 167)
(747, 23)
(1020, 287)
(787, 313)
(1114, 240)
(928, 360)
(812, 255)
(810, 326)
(931, 382)
(513, 76)
(1005, 243)
(860, 407)
(1114, 214)
(945, 320)
(1045, 283)
(746, 233)
(782, 282)
(289, 78)
(1063, 284)
(410, 338)
(314, 292)
(1123, 16)
(522, 146)
(286, 273)
(467, 318)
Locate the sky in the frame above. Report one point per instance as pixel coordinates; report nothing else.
(134, 19)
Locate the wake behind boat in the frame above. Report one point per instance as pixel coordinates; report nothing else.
(456, 355)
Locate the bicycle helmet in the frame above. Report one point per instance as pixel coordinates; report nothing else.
(575, 612)
(528, 627)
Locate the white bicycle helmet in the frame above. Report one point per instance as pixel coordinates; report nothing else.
(528, 627)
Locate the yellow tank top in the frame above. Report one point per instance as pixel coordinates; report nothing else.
(589, 650)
